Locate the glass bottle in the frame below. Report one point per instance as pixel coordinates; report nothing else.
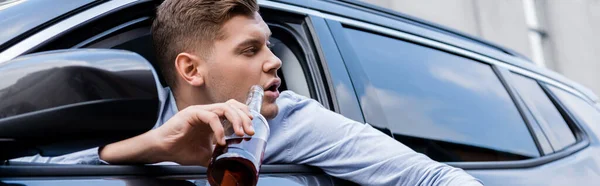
(238, 163)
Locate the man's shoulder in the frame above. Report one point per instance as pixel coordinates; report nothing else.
(289, 96)
(290, 101)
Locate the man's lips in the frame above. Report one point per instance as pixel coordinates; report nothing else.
(272, 89)
(272, 94)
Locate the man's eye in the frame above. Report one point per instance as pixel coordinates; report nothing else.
(250, 51)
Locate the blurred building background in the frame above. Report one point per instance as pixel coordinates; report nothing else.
(562, 35)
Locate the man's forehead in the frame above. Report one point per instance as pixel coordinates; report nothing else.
(263, 28)
(264, 25)
(241, 27)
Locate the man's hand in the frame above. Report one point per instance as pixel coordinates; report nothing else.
(187, 138)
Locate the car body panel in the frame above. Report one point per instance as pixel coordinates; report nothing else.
(62, 25)
(342, 84)
(20, 16)
(49, 175)
(580, 155)
(199, 180)
(579, 167)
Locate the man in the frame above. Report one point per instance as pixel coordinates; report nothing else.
(211, 52)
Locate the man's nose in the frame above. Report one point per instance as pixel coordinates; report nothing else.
(272, 64)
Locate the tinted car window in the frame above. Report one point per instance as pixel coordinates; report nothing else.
(544, 111)
(581, 109)
(448, 107)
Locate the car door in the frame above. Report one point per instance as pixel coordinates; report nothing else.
(125, 25)
(465, 109)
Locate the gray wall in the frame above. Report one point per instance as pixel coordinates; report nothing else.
(574, 44)
(571, 45)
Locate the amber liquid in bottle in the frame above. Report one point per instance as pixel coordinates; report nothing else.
(238, 162)
(237, 170)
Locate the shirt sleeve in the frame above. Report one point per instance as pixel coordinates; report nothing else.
(88, 157)
(304, 132)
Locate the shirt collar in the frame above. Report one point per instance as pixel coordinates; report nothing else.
(168, 106)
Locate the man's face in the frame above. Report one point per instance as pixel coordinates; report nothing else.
(241, 60)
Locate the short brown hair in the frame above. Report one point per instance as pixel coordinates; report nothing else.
(192, 26)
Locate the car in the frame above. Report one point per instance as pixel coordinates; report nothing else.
(83, 74)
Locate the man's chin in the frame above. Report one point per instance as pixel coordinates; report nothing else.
(269, 111)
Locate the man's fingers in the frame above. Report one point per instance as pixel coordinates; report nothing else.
(243, 107)
(243, 111)
(215, 124)
(236, 113)
(246, 122)
(229, 113)
(234, 117)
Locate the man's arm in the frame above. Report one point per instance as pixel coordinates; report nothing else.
(186, 138)
(88, 157)
(350, 150)
(141, 149)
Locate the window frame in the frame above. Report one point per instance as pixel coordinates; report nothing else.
(573, 122)
(581, 136)
(51, 31)
(301, 36)
(351, 60)
(500, 68)
(582, 140)
(313, 65)
(577, 131)
(335, 70)
(63, 26)
(315, 75)
(105, 25)
(527, 115)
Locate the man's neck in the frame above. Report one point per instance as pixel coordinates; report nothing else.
(185, 97)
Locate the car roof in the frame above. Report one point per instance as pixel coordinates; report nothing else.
(424, 23)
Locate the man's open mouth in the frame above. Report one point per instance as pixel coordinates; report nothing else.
(273, 85)
(273, 88)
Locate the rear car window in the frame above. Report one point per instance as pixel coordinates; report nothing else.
(545, 112)
(579, 108)
(445, 106)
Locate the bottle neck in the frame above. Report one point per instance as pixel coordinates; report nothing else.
(255, 97)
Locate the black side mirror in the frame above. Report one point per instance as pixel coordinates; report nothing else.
(59, 102)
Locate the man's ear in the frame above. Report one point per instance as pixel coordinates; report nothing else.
(186, 65)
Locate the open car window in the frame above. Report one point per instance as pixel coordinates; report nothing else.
(128, 28)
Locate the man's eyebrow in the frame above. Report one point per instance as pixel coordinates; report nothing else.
(249, 42)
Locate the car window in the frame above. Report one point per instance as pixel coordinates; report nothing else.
(536, 129)
(578, 107)
(445, 106)
(545, 113)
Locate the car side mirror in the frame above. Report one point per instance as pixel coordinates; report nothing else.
(59, 102)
